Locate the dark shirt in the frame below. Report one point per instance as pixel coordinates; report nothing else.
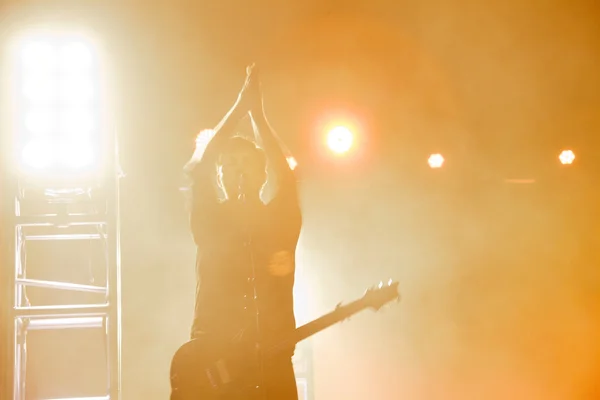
(231, 239)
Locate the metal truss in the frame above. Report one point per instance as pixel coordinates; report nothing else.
(65, 216)
(303, 369)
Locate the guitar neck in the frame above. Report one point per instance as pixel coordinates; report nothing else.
(339, 314)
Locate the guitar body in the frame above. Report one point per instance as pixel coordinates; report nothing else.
(204, 371)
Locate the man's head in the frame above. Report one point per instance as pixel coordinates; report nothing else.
(242, 167)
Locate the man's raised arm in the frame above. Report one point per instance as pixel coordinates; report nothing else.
(202, 167)
(276, 151)
(222, 132)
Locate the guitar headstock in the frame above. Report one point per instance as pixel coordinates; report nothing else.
(377, 297)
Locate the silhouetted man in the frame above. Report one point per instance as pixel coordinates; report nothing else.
(244, 244)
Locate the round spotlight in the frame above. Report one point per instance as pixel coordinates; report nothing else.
(566, 157)
(40, 90)
(436, 161)
(76, 122)
(75, 56)
(76, 154)
(340, 139)
(41, 122)
(38, 56)
(38, 154)
(76, 90)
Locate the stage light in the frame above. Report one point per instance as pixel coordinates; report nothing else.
(436, 161)
(76, 56)
(340, 139)
(40, 122)
(76, 154)
(57, 103)
(38, 55)
(76, 122)
(40, 91)
(76, 90)
(566, 157)
(65, 189)
(38, 154)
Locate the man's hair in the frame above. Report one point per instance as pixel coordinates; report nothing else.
(235, 143)
(241, 143)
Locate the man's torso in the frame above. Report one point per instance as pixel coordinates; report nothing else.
(250, 250)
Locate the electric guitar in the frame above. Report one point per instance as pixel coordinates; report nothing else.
(203, 371)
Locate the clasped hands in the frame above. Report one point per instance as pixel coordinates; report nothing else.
(250, 98)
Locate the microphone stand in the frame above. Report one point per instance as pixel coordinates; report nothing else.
(249, 245)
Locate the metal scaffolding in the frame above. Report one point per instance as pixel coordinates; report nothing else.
(303, 368)
(67, 214)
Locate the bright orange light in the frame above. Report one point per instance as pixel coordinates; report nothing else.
(340, 139)
(566, 157)
(436, 161)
